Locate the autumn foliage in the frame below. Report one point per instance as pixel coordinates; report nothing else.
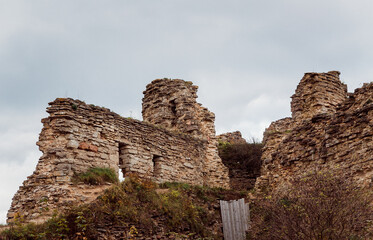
(317, 206)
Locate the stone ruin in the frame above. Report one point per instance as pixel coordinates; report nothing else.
(175, 142)
(330, 129)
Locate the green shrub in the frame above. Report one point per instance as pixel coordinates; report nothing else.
(175, 185)
(243, 156)
(22, 232)
(96, 176)
(74, 106)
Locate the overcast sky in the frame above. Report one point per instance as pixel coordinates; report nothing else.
(246, 56)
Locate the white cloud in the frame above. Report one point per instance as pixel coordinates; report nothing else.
(266, 104)
(12, 174)
(257, 115)
(251, 131)
(19, 154)
(245, 102)
(18, 134)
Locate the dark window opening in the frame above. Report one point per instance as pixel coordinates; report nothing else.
(156, 165)
(173, 107)
(123, 160)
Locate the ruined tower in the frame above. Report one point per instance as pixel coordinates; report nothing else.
(317, 93)
(172, 104)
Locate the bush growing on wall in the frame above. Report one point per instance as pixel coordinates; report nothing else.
(317, 206)
(96, 176)
(245, 156)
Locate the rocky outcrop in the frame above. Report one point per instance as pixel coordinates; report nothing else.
(77, 136)
(329, 129)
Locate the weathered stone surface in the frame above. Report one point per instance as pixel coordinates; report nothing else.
(77, 136)
(171, 103)
(232, 137)
(329, 129)
(317, 93)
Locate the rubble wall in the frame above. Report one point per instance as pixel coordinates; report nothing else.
(77, 136)
(333, 131)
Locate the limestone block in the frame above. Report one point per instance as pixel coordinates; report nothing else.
(72, 144)
(63, 178)
(188, 165)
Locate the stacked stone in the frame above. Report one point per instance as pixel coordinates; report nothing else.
(340, 140)
(317, 93)
(232, 137)
(170, 103)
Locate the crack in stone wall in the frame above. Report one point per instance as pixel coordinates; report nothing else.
(329, 129)
(77, 136)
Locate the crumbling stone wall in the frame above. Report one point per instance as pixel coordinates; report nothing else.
(317, 93)
(329, 129)
(77, 136)
(171, 103)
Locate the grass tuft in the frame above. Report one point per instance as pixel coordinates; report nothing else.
(96, 176)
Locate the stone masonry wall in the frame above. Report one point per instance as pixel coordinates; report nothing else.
(317, 93)
(172, 103)
(332, 131)
(77, 136)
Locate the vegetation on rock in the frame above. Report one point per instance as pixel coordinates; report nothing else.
(96, 176)
(137, 209)
(316, 206)
(245, 156)
(243, 161)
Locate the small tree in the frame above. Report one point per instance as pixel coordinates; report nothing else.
(318, 206)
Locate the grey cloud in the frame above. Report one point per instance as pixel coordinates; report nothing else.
(246, 56)
(12, 175)
(18, 135)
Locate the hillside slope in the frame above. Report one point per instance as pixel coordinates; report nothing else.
(137, 209)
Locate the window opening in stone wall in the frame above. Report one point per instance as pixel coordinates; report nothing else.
(156, 165)
(123, 160)
(173, 111)
(173, 107)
